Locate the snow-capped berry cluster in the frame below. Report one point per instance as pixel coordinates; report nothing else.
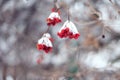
(53, 18)
(45, 43)
(68, 30)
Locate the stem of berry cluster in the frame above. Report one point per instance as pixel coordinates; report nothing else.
(103, 33)
(55, 1)
(55, 5)
(47, 29)
(68, 15)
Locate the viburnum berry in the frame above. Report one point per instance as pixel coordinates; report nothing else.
(40, 59)
(44, 43)
(53, 18)
(68, 30)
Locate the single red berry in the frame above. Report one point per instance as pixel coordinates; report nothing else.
(76, 36)
(70, 35)
(39, 46)
(55, 10)
(40, 59)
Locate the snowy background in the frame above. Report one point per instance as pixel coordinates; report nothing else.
(91, 57)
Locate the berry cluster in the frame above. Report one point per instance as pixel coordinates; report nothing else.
(53, 18)
(67, 33)
(68, 30)
(44, 47)
(45, 43)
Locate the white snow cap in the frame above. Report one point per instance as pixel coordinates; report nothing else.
(54, 15)
(45, 40)
(71, 26)
(47, 35)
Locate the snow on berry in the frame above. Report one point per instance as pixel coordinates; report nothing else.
(44, 43)
(53, 18)
(68, 30)
(48, 36)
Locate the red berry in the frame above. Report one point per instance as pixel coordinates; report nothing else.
(55, 10)
(70, 35)
(76, 36)
(44, 48)
(39, 46)
(40, 59)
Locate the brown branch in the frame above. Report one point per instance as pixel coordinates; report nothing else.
(15, 74)
(4, 71)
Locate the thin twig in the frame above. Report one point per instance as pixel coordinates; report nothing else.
(114, 5)
(47, 30)
(68, 13)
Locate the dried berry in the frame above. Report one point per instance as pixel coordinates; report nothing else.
(103, 36)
